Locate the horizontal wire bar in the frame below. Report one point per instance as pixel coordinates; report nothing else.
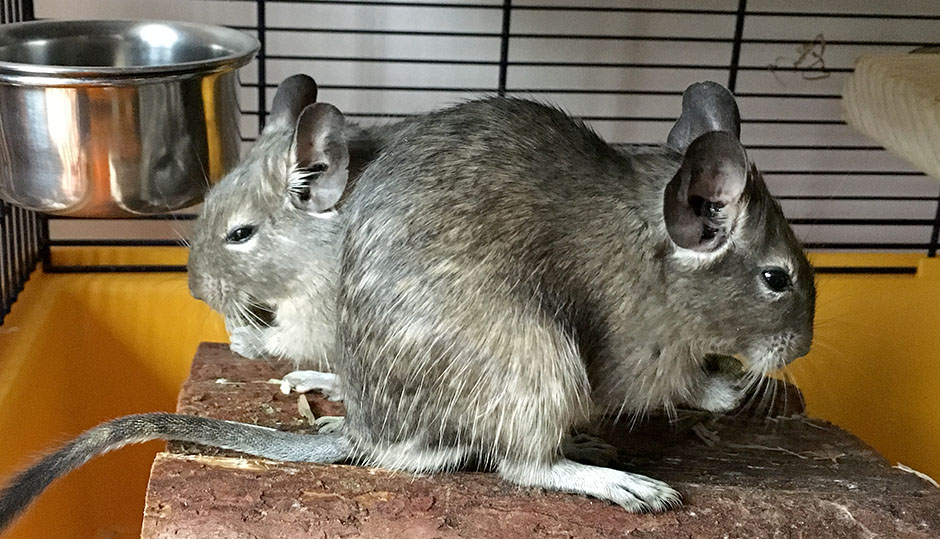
(362, 59)
(828, 221)
(859, 246)
(384, 3)
(826, 147)
(155, 217)
(592, 65)
(381, 32)
(116, 243)
(139, 268)
(866, 270)
(585, 91)
(842, 173)
(873, 198)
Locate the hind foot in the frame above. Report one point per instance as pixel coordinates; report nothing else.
(635, 493)
(329, 424)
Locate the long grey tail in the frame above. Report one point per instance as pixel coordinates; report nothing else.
(252, 439)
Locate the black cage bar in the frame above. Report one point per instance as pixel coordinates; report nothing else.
(23, 233)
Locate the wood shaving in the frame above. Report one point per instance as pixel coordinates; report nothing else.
(922, 475)
(304, 408)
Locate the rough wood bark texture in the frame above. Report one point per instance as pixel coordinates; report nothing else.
(740, 477)
(895, 99)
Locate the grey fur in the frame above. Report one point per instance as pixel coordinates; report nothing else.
(507, 275)
(288, 270)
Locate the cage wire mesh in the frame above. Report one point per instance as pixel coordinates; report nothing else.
(22, 232)
(621, 65)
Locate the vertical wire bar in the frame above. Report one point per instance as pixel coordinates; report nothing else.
(31, 238)
(6, 252)
(3, 267)
(504, 47)
(23, 237)
(36, 238)
(46, 251)
(262, 71)
(935, 235)
(18, 244)
(736, 45)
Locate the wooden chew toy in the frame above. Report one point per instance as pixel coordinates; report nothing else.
(895, 99)
(762, 472)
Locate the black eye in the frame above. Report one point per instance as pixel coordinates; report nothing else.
(777, 279)
(240, 234)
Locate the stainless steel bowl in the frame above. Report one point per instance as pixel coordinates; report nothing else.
(117, 118)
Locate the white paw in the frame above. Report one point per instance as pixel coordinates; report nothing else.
(719, 393)
(304, 381)
(588, 449)
(328, 424)
(246, 341)
(638, 493)
(635, 493)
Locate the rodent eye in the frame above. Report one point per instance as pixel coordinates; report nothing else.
(777, 279)
(240, 234)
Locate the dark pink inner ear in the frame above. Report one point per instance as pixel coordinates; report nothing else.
(702, 201)
(320, 151)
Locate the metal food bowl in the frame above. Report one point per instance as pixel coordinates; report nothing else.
(117, 118)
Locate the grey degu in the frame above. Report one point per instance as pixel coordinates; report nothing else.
(506, 275)
(287, 255)
(268, 266)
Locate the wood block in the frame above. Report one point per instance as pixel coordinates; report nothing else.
(895, 99)
(742, 477)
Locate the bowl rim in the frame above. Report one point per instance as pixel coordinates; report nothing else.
(244, 45)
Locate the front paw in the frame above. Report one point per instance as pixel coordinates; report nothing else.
(719, 393)
(303, 381)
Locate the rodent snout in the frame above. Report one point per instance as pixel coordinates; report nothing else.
(800, 346)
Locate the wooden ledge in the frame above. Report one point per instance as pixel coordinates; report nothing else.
(740, 477)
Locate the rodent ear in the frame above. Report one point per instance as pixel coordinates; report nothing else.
(703, 200)
(321, 159)
(293, 94)
(706, 106)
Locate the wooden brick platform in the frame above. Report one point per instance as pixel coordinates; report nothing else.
(741, 477)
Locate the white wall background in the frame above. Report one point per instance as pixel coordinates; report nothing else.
(820, 167)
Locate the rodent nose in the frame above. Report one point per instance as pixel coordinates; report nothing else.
(801, 348)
